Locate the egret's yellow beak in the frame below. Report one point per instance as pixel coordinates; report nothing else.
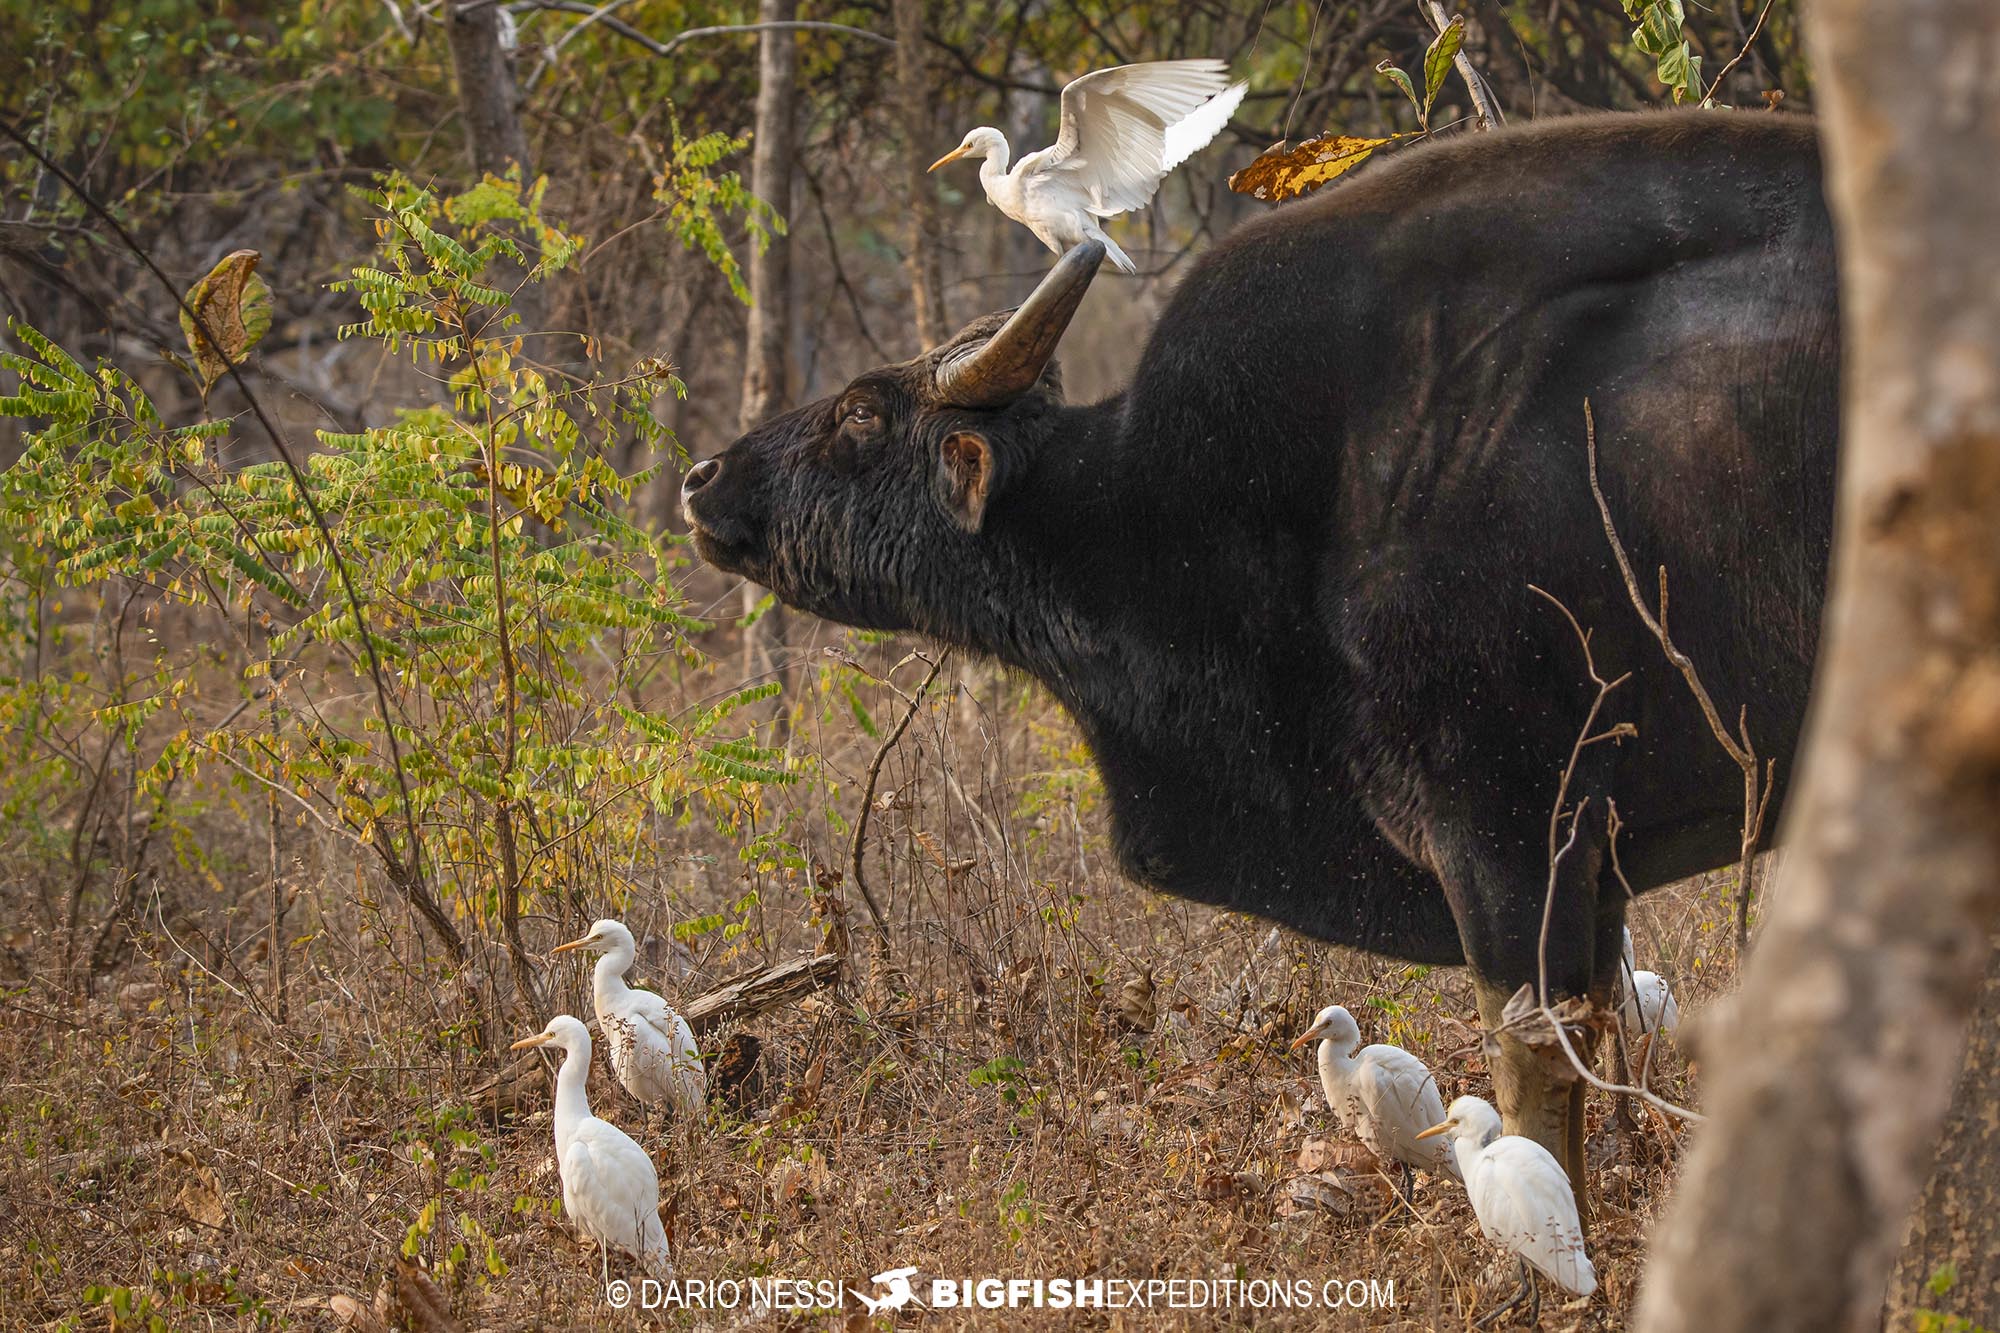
(573, 944)
(1317, 1030)
(952, 156)
(539, 1039)
(1436, 1130)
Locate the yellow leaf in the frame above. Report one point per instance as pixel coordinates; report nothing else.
(1286, 173)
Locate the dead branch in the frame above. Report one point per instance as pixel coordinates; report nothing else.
(856, 847)
(1756, 789)
(1528, 1013)
(755, 992)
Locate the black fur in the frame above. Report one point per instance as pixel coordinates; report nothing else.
(1282, 581)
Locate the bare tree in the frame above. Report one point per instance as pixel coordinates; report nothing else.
(767, 361)
(913, 109)
(1830, 1086)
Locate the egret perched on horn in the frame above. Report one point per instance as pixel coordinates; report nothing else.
(1522, 1199)
(1382, 1095)
(610, 1189)
(651, 1047)
(1123, 130)
(1648, 1005)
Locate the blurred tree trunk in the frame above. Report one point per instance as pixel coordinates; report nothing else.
(487, 99)
(913, 105)
(490, 106)
(1957, 1223)
(1831, 1084)
(767, 361)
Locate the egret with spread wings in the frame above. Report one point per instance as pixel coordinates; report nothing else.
(1123, 130)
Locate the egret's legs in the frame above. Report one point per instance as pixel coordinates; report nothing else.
(1527, 1292)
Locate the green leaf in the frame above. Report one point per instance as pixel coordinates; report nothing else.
(1437, 62)
(1660, 30)
(1396, 76)
(1674, 71)
(234, 306)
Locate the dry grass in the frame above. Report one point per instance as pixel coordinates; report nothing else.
(973, 1103)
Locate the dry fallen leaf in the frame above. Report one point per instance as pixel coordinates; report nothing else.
(1318, 1154)
(1136, 1009)
(424, 1307)
(200, 1196)
(353, 1314)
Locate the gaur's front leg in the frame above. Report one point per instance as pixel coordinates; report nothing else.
(1503, 912)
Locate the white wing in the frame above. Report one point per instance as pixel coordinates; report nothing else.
(1190, 136)
(1113, 144)
(1524, 1203)
(1401, 1098)
(612, 1193)
(653, 1052)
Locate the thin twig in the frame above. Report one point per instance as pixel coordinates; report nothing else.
(1756, 793)
(1747, 42)
(1584, 737)
(602, 14)
(868, 796)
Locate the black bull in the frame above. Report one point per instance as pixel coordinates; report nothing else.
(1284, 581)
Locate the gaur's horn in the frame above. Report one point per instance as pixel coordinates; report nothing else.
(1005, 366)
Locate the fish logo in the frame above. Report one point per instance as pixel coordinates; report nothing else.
(898, 1295)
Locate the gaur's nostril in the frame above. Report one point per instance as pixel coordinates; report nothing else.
(700, 475)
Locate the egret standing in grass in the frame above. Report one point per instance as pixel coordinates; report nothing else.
(610, 1189)
(1649, 1005)
(651, 1047)
(1123, 130)
(1523, 1201)
(1383, 1095)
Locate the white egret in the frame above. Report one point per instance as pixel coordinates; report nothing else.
(651, 1047)
(1648, 1005)
(610, 1189)
(1382, 1095)
(1522, 1199)
(1123, 130)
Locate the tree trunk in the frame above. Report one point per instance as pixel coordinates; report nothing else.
(767, 360)
(1830, 1086)
(487, 100)
(489, 105)
(1956, 1229)
(913, 107)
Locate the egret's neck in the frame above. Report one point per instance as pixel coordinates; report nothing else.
(607, 979)
(572, 1101)
(998, 155)
(1336, 1065)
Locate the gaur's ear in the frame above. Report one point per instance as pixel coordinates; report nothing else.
(965, 477)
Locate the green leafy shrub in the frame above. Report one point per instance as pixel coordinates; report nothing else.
(478, 718)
